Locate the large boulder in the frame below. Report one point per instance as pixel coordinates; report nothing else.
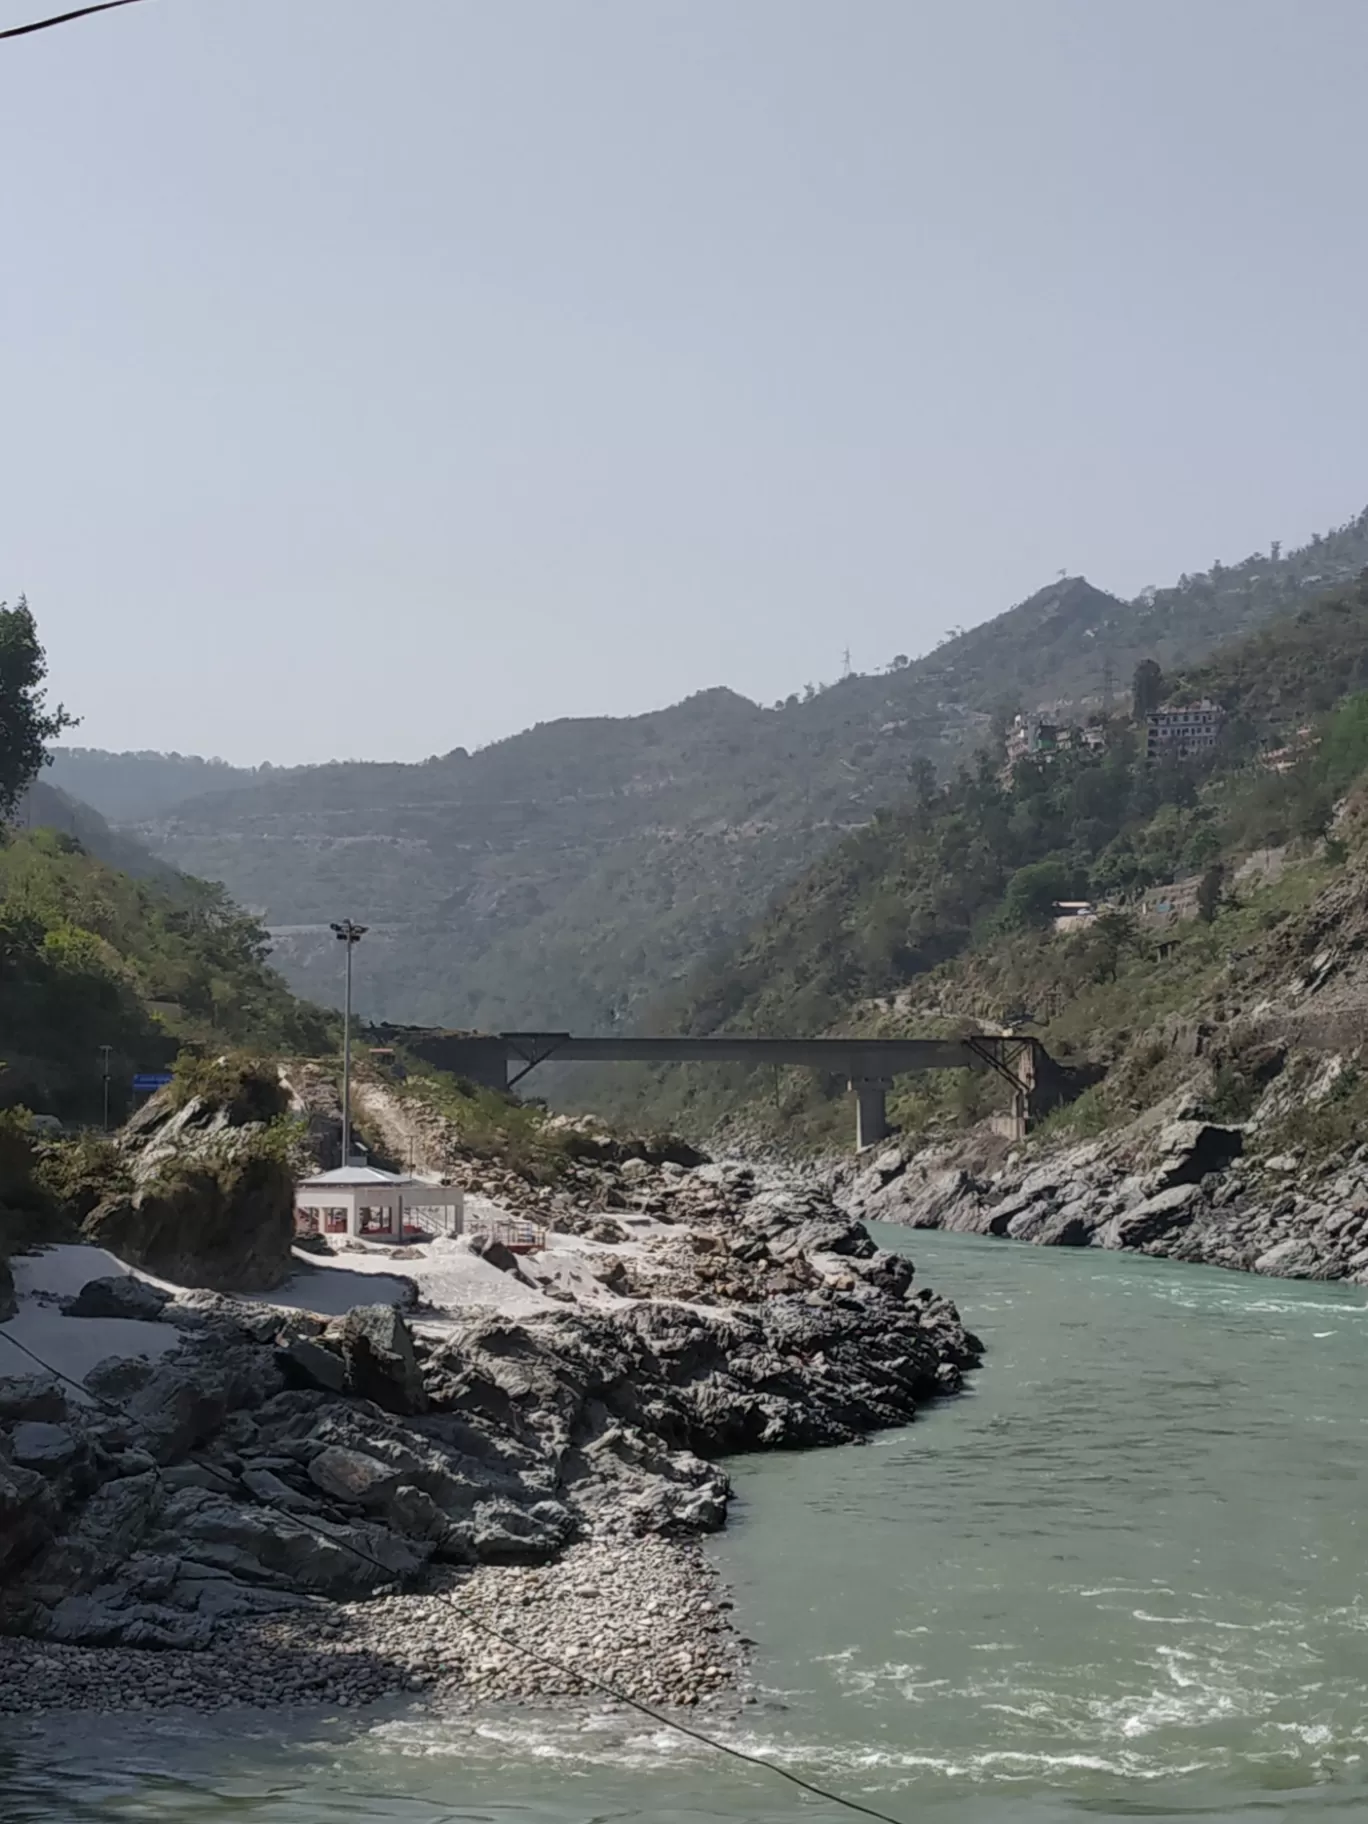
(121, 1295)
(325, 1557)
(28, 1515)
(31, 1396)
(354, 1476)
(185, 1402)
(1171, 1209)
(1297, 1258)
(1189, 1150)
(377, 1351)
(224, 1222)
(104, 1533)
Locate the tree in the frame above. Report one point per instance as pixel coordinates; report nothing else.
(1004, 713)
(26, 723)
(1209, 893)
(922, 779)
(1147, 688)
(1032, 894)
(1112, 937)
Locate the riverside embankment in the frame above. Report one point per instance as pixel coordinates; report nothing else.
(310, 1495)
(1174, 1184)
(1120, 1578)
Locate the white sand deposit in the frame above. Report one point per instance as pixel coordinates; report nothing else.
(72, 1345)
(451, 1279)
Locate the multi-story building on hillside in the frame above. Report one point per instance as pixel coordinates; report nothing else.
(1189, 728)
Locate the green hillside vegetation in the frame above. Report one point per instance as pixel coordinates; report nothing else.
(91, 957)
(938, 916)
(570, 875)
(44, 807)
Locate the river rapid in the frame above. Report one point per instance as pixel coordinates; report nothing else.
(1122, 1577)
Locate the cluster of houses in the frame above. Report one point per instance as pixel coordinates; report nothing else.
(1036, 737)
(1175, 733)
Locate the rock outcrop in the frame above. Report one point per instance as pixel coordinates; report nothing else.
(211, 1201)
(275, 1461)
(1171, 1184)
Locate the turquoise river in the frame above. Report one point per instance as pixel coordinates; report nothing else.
(1124, 1577)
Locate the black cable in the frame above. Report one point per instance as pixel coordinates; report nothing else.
(82, 12)
(506, 1640)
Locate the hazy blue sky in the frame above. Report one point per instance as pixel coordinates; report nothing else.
(383, 375)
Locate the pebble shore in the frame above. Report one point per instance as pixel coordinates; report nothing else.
(645, 1616)
(288, 1511)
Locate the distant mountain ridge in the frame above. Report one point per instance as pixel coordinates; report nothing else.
(566, 875)
(129, 787)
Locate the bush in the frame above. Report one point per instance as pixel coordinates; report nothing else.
(80, 1173)
(1033, 893)
(248, 1089)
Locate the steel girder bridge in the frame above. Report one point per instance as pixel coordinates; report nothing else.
(502, 1060)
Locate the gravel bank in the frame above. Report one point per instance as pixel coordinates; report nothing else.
(645, 1616)
(292, 1509)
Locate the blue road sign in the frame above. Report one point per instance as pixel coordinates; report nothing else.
(148, 1080)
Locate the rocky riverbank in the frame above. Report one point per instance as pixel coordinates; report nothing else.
(285, 1506)
(1172, 1184)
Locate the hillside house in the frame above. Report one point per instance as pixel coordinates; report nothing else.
(1036, 737)
(1189, 728)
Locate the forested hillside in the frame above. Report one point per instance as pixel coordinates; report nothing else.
(90, 956)
(110, 961)
(942, 908)
(569, 875)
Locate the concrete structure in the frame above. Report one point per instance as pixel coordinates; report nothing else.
(869, 1066)
(1192, 728)
(1030, 736)
(361, 1201)
(1074, 914)
(1167, 905)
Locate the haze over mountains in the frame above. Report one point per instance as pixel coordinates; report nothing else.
(566, 876)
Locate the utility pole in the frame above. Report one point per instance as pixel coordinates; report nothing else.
(349, 934)
(105, 1050)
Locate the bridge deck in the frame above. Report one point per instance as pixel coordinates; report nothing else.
(848, 1057)
(505, 1058)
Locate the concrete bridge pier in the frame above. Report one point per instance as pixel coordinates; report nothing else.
(871, 1110)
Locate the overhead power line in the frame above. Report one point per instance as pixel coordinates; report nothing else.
(81, 12)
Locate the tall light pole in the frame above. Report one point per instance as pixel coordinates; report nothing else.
(349, 934)
(105, 1051)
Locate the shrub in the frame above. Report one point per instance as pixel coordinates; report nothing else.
(248, 1089)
